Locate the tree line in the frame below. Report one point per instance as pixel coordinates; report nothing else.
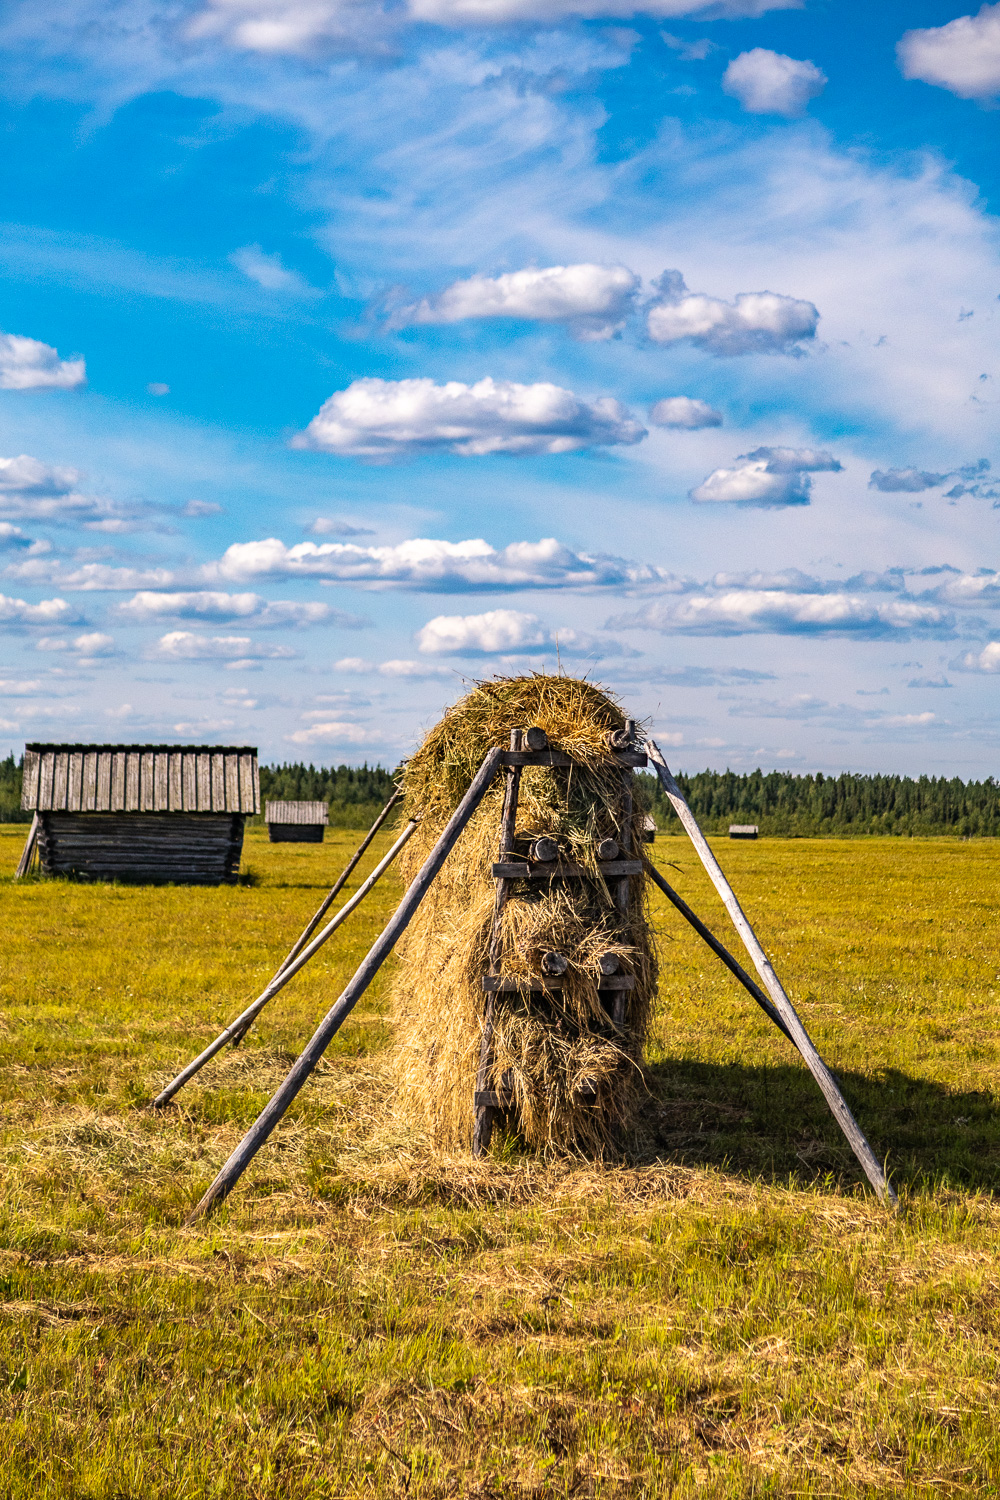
(781, 803)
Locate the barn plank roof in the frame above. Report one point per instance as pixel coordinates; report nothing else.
(141, 778)
(283, 811)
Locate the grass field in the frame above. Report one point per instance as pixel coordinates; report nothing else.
(730, 1314)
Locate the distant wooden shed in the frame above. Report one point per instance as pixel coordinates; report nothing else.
(743, 830)
(296, 822)
(146, 813)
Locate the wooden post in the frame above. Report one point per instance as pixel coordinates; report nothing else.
(717, 948)
(485, 1114)
(28, 853)
(334, 1019)
(339, 883)
(782, 1004)
(238, 1029)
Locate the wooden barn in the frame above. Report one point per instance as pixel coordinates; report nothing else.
(139, 812)
(295, 822)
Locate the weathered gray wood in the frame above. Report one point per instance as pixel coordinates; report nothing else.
(284, 811)
(718, 949)
(149, 848)
(88, 791)
(340, 882)
(60, 781)
(29, 792)
(331, 1023)
(824, 1078)
(510, 869)
(634, 758)
(296, 833)
(495, 984)
(28, 852)
(237, 1030)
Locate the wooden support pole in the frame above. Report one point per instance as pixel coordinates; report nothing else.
(334, 1019)
(339, 883)
(238, 1029)
(485, 1116)
(28, 853)
(817, 1067)
(717, 948)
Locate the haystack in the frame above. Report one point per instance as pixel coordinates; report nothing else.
(568, 1063)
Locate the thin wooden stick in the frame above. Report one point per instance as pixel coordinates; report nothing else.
(717, 948)
(782, 1004)
(28, 854)
(331, 1023)
(339, 883)
(238, 1029)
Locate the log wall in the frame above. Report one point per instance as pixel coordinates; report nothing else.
(147, 848)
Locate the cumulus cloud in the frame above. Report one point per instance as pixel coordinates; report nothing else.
(269, 272)
(335, 732)
(963, 56)
(780, 612)
(86, 577)
(907, 481)
(684, 411)
(769, 83)
(37, 491)
(309, 26)
(207, 604)
(987, 660)
(359, 666)
(385, 419)
(767, 477)
(184, 645)
(435, 566)
(28, 365)
(594, 301)
(502, 631)
(46, 612)
(753, 323)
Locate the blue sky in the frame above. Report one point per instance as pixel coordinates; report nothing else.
(352, 351)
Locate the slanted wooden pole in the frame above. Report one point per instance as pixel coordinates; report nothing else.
(339, 883)
(238, 1029)
(717, 948)
(28, 853)
(817, 1067)
(334, 1019)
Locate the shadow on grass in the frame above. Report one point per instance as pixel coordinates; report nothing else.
(772, 1123)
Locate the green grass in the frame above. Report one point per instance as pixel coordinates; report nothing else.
(730, 1314)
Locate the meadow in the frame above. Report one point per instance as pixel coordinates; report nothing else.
(728, 1313)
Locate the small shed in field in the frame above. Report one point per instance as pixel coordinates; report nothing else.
(139, 812)
(296, 822)
(743, 830)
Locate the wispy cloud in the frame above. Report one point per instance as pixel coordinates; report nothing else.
(146, 607)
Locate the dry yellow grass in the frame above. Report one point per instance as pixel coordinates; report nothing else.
(729, 1316)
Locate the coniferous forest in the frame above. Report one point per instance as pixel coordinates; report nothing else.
(781, 803)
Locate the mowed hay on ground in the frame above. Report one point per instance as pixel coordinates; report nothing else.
(575, 1075)
(732, 1316)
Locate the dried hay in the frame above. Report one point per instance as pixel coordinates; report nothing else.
(576, 1077)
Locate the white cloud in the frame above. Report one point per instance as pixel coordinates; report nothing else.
(906, 481)
(359, 666)
(335, 732)
(94, 643)
(27, 365)
(501, 631)
(987, 660)
(308, 26)
(331, 526)
(777, 612)
(593, 300)
(13, 536)
(90, 577)
(207, 604)
(969, 588)
(184, 645)
(12, 687)
(385, 419)
(25, 475)
(435, 566)
(157, 388)
(684, 411)
(753, 323)
(37, 491)
(767, 477)
(46, 612)
(769, 83)
(963, 56)
(269, 272)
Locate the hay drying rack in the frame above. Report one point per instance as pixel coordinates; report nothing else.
(618, 865)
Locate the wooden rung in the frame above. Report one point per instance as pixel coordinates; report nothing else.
(520, 870)
(495, 984)
(488, 1099)
(635, 758)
